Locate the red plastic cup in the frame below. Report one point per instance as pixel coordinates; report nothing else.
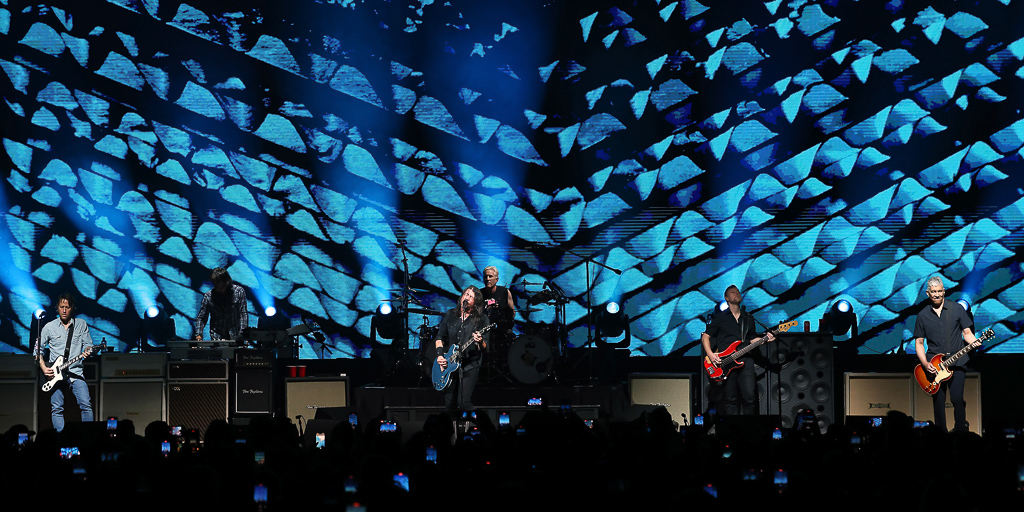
(301, 370)
(292, 371)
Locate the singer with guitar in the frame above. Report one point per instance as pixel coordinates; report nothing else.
(946, 326)
(461, 325)
(66, 338)
(738, 392)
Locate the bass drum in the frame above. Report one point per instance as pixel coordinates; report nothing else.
(530, 359)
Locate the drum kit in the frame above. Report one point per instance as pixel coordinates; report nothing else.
(521, 351)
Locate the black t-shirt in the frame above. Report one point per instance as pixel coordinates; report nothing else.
(725, 329)
(454, 330)
(496, 304)
(944, 333)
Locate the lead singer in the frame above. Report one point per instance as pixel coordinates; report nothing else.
(460, 325)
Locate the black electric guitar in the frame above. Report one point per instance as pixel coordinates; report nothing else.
(442, 376)
(59, 366)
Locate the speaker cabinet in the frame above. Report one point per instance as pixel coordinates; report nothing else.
(972, 395)
(875, 394)
(671, 390)
(139, 400)
(804, 378)
(303, 396)
(18, 404)
(254, 391)
(196, 404)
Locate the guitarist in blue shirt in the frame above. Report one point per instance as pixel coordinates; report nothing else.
(66, 338)
(459, 326)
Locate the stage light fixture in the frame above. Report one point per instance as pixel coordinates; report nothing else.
(964, 303)
(152, 312)
(386, 323)
(612, 308)
(39, 313)
(722, 306)
(841, 318)
(156, 328)
(611, 322)
(270, 311)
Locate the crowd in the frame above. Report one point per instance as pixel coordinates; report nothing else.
(550, 460)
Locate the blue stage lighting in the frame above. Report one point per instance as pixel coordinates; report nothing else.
(843, 306)
(152, 311)
(39, 313)
(612, 307)
(384, 309)
(270, 311)
(722, 306)
(966, 304)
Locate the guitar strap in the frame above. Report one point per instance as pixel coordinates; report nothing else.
(67, 348)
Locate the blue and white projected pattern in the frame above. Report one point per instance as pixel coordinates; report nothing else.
(805, 151)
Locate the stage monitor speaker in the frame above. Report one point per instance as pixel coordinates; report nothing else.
(253, 391)
(875, 394)
(972, 395)
(18, 404)
(671, 390)
(303, 396)
(139, 400)
(196, 404)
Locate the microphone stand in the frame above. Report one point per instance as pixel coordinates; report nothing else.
(778, 374)
(590, 307)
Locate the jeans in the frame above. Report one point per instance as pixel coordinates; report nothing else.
(956, 397)
(459, 394)
(81, 391)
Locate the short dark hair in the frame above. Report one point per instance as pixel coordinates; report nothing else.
(67, 297)
(220, 275)
(730, 287)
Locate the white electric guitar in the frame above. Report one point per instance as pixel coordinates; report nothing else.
(59, 366)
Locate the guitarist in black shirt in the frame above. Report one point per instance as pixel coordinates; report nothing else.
(459, 326)
(739, 390)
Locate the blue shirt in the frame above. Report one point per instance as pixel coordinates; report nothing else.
(54, 336)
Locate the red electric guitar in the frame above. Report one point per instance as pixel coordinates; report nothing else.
(730, 355)
(930, 382)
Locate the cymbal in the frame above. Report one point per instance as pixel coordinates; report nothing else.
(400, 290)
(424, 312)
(529, 310)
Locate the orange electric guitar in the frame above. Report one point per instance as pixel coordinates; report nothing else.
(730, 355)
(930, 382)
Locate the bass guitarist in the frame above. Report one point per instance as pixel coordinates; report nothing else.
(459, 326)
(66, 337)
(946, 326)
(738, 392)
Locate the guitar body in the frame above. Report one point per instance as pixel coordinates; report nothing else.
(930, 383)
(441, 378)
(722, 372)
(58, 374)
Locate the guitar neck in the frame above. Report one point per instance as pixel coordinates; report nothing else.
(751, 346)
(947, 362)
(470, 341)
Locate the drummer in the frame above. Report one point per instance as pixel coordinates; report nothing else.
(498, 305)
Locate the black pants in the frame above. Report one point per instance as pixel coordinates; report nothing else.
(458, 395)
(738, 393)
(955, 384)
